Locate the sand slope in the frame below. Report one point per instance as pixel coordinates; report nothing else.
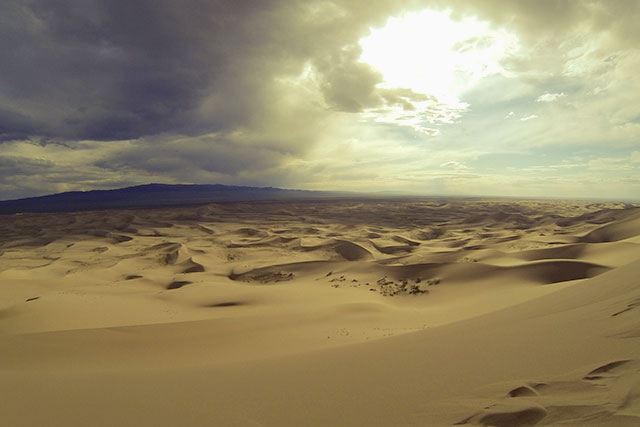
(325, 313)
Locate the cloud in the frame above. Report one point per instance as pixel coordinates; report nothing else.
(101, 93)
(224, 85)
(31, 168)
(417, 111)
(550, 97)
(347, 84)
(454, 165)
(202, 158)
(95, 71)
(113, 70)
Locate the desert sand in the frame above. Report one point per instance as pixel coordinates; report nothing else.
(354, 313)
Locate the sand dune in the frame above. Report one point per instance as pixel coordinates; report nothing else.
(443, 312)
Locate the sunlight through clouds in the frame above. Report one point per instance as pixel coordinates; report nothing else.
(430, 53)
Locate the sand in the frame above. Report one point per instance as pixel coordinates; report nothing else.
(436, 312)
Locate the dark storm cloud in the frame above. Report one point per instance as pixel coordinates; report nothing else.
(108, 70)
(14, 125)
(121, 69)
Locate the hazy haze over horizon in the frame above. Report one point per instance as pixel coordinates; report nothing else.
(519, 98)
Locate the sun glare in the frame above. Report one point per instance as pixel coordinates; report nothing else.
(431, 53)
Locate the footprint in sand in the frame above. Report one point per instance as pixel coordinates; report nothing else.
(606, 395)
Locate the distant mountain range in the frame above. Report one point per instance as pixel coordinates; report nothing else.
(153, 195)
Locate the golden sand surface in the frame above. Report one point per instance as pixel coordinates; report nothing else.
(390, 312)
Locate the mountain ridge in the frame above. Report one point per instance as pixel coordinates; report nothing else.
(155, 195)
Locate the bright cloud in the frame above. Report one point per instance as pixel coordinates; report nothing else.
(454, 165)
(429, 52)
(550, 97)
(432, 54)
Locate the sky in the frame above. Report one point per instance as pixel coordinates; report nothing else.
(487, 98)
